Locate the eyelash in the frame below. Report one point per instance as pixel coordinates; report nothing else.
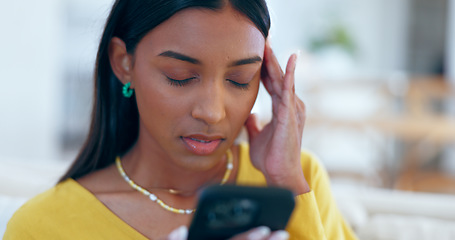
(243, 86)
(181, 83)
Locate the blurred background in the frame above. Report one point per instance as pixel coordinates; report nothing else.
(377, 77)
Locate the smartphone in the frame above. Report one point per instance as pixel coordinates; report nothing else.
(227, 210)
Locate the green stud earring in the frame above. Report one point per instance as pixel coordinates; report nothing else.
(127, 91)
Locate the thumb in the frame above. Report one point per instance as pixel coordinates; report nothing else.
(180, 233)
(252, 126)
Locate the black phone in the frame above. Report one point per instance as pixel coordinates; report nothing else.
(227, 210)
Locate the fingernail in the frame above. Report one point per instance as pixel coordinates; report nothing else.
(180, 233)
(280, 235)
(259, 233)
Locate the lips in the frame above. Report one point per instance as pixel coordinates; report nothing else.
(201, 144)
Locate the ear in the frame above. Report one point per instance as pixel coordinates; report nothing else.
(120, 60)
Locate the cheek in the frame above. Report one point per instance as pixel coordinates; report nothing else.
(156, 104)
(244, 104)
(152, 91)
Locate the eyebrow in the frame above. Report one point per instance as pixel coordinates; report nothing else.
(245, 61)
(179, 56)
(182, 57)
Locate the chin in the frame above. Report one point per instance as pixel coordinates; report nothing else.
(200, 163)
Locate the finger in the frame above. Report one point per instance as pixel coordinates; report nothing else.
(264, 72)
(279, 235)
(273, 66)
(266, 80)
(289, 77)
(180, 233)
(260, 233)
(273, 76)
(252, 126)
(301, 111)
(288, 94)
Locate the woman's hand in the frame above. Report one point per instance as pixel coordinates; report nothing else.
(275, 149)
(260, 233)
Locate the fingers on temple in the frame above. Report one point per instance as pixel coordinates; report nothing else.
(266, 80)
(273, 75)
(279, 84)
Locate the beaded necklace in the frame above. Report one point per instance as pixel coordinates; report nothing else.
(154, 198)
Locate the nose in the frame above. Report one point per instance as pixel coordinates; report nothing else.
(209, 105)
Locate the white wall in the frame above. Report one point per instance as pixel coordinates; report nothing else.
(46, 46)
(378, 27)
(30, 74)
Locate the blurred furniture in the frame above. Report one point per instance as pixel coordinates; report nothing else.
(381, 214)
(415, 117)
(429, 120)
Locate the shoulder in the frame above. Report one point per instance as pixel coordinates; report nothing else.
(50, 199)
(45, 209)
(67, 211)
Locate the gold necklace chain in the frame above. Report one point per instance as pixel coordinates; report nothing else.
(154, 198)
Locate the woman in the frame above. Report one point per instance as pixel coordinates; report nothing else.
(175, 83)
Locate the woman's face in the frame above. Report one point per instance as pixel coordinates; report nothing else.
(196, 77)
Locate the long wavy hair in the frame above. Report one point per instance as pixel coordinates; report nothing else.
(115, 119)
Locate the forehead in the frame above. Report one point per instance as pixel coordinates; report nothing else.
(198, 31)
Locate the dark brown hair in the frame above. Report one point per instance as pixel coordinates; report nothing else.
(115, 119)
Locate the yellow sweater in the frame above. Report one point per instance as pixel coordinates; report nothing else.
(69, 211)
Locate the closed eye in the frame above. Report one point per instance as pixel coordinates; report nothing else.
(179, 83)
(243, 86)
